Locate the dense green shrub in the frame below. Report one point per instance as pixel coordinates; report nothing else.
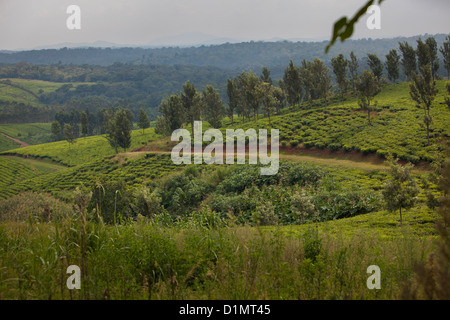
(339, 204)
(181, 193)
(34, 206)
(301, 173)
(112, 199)
(146, 202)
(293, 143)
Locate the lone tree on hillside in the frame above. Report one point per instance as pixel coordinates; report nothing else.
(265, 75)
(408, 60)
(188, 97)
(427, 54)
(69, 134)
(233, 98)
(292, 84)
(118, 130)
(306, 81)
(247, 84)
(172, 116)
(423, 54)
(392, 62)
(423, 91)
(321, 80)
(143, 121)
(434, 61)
(84, 120)
(340, 64)
(401, 191)
(445, 51)
(213, 106)
(56, 130)
(368, 87)
(353, 68)
(268, 98)
(375, 65)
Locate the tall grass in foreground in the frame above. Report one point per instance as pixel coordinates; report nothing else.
(143, 260)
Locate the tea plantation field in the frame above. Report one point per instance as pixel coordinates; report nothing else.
(31, 133)
(7, 144)
(84, 150)
(27, 91)
(20, 175)
(334, 191)
(397, 126)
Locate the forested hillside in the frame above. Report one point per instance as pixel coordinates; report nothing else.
(106, 191)
(241, 56)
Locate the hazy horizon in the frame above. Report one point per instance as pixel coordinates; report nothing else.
(28, 25)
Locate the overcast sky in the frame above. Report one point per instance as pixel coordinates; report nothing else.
(33, 23)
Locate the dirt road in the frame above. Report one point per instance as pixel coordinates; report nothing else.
(23, 144)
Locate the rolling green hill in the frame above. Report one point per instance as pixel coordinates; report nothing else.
(30, 133)
(397, 126)
(7, 144)
(339, 127)
(317, 217)
(15, 170)
(83, 151)
(27, 91)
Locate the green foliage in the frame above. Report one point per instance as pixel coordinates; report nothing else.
(368, 87)
(292, 84)
(69, 134)
(181, 194)
(13, 172)
(408, 60)
(432, 276)
(445, 51)
(299, 193)
(303, 208)
(111, 200)
(353, 70)
(375, 65)
(395, 127)
(247, 82)
(7, 144)
(192, 104)
(233, 98)
(392, 63)
(340, 64)
(423, 53)
(206, 218)
(56, 130)
(118, 130)
(401, 191)
(31, 133)
(172, 116)
(423, 91)
(84, 121)
(213, 107)
(434, 60)
(87, 149)
(312, 244)
(33, 206)
(320, 81)
(338, 204)
(146, 203)
(199, 261)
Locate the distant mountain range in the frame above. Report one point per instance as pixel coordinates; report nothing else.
(191, 39)
(72, 45)
(197, 49)
(184, 40)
